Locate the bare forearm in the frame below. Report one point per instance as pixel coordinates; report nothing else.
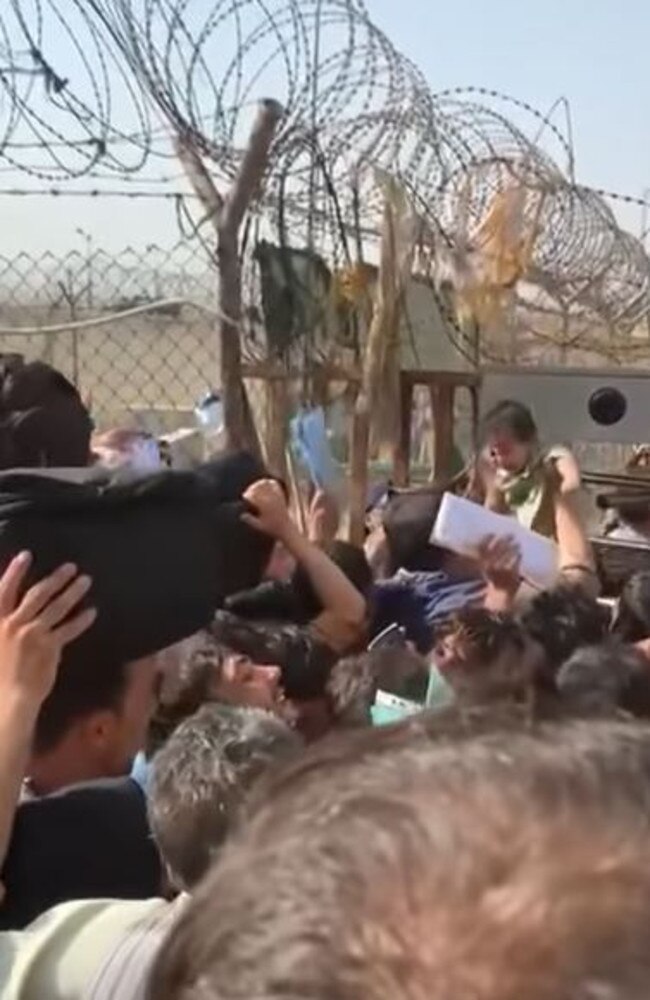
(335, 591)
(17, 723)
(573, 543)
(569, 473)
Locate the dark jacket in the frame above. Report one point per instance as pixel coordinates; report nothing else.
(87, 841)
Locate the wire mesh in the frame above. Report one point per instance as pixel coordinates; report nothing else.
(149, 370)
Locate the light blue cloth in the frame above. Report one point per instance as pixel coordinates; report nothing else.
(140, 771)
(383, 715)
(439, 694)
(310, 442)
(389, 709)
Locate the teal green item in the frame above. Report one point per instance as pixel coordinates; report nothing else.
(439, 694)
(388, 709)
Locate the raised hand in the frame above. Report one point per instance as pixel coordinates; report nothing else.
(499, 560)
(271, 514)
(35, 628)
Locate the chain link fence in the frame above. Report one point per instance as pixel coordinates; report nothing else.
(150, 369)
(146, 370)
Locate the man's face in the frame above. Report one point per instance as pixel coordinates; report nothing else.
(251, 685)
(128, 726)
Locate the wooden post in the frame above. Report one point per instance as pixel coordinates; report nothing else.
(227, 214)
(442, 402)
(402, 452)
(476, 416)
(383, 317)
(394, 266)
(276, 419)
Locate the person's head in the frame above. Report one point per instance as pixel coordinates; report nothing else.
(509, 435)
(305, 664)
(200, 777)
(632, 621)
(498, 868)
(355, 680)
(485, 656)
(408, 519)
(206, 671)
(243, 682)
(350, 559)
(44, 422)
(561, 620)
(94, 722)
(604, 681)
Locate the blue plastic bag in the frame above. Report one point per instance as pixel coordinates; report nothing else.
(311, 445)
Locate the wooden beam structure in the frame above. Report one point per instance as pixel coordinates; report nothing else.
(227, 214)
(442, 386)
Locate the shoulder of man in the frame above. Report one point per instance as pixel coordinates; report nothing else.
(87, 841)
(65, 951)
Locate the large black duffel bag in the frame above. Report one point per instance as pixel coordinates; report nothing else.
(163, 551)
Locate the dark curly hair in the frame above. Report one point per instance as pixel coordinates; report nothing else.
(497, 657)
(562, 620)
(605, 680)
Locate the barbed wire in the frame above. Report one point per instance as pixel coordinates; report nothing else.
(60, 192)
(68, 91)
(94, 88)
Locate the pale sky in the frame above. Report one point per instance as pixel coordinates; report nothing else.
(593, 52)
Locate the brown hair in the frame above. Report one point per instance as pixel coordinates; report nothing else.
(501, 867)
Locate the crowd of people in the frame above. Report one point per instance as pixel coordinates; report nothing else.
(381, 773)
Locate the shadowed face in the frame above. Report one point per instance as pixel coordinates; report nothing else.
(252, 685)
(507, 453)
(118, 736)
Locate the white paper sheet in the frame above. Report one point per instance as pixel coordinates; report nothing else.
(462, 525)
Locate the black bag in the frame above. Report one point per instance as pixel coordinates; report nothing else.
(164, 551)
